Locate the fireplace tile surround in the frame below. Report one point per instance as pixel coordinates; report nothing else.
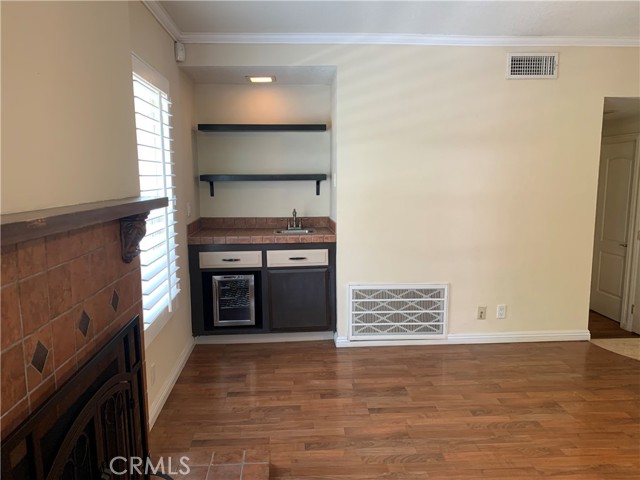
(65, 291)
(62, 297)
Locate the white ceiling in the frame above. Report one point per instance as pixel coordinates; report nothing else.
(451, 22)
(360, 21)
(616, 108)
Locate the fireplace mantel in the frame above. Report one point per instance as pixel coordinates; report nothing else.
(23, 226)
(70, 280)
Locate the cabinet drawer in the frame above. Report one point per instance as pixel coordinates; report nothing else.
(230, 259)
(290, 258)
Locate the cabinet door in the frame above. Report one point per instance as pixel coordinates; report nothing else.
(299, 299)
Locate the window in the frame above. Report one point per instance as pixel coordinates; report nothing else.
(158, 256)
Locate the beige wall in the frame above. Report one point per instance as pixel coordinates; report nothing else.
(448, 172)
(68, 128)
(154, 46)
(256, 153)
(68, 131)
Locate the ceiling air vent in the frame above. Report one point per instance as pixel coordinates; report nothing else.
(532, 65)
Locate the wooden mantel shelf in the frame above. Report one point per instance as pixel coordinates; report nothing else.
(23, 226)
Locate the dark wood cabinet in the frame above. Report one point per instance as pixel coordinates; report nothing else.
(296, 286)
(299, 299)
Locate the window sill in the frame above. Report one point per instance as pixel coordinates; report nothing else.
(153, 329)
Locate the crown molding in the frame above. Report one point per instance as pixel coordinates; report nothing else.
(165, 20)
(158, 11)
(408, 39)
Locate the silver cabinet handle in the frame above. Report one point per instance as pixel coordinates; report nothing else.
(230, 259)
(623, 245)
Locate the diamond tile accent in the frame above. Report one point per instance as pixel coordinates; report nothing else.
(40, 357)
(83, 325)
(115, 299)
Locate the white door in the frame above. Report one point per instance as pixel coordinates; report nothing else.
(612, 227)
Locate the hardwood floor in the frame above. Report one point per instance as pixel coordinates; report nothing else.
(603, 327)
(567, 410)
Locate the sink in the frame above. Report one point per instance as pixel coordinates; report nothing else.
(294, 231)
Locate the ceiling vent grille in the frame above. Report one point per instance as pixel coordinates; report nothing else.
(532, 65)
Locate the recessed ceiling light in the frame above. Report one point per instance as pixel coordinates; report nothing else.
(261, 79)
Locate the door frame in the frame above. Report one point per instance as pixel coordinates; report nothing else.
(631, 270)
(633, 263)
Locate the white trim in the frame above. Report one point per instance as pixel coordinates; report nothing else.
(473, 338)
(263, 338)
(150, 74)
(634, 248)
(405, 39)
(520, 337)
(630, 269)
(631, 262)
(151, 330)
(165, 20)
(165, 391)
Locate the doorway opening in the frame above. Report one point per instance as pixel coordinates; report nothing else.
(615, 281)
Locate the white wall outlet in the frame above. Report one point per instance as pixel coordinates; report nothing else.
(188, 209)
(501, 311)
(152, 374)
(482, 313)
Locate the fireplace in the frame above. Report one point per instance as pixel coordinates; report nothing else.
(73, 388)
(97, 416)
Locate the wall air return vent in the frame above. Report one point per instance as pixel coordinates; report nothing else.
(532, 65)
(397, 312)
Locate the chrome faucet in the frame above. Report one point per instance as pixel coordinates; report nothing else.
(297, 225)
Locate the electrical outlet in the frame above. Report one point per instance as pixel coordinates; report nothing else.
(482, 313)
(188, 209)
(152, 374)
(501, 311)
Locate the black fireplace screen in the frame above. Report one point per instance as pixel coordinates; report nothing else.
(97, 415)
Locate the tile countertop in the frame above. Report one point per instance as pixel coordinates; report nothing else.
(260, 230)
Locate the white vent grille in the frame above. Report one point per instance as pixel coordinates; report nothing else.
(532, 65)
(397, 312)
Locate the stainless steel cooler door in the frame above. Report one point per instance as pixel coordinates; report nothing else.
(233, 300)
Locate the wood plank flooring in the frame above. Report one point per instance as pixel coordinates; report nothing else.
(603, 327)
(567, 410)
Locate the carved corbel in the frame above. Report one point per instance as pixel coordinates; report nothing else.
(132, 230)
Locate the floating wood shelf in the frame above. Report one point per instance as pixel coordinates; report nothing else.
(316, 177)
(261, 127)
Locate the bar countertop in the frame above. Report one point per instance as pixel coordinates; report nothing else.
(257, 230)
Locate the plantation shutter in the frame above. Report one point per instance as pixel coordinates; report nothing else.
(160, 282)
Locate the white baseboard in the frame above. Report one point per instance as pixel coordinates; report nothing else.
(471, 338)
(519, 337)
(263, 338)
(165, 391)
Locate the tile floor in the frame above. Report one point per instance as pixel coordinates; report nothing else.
(216, 465)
